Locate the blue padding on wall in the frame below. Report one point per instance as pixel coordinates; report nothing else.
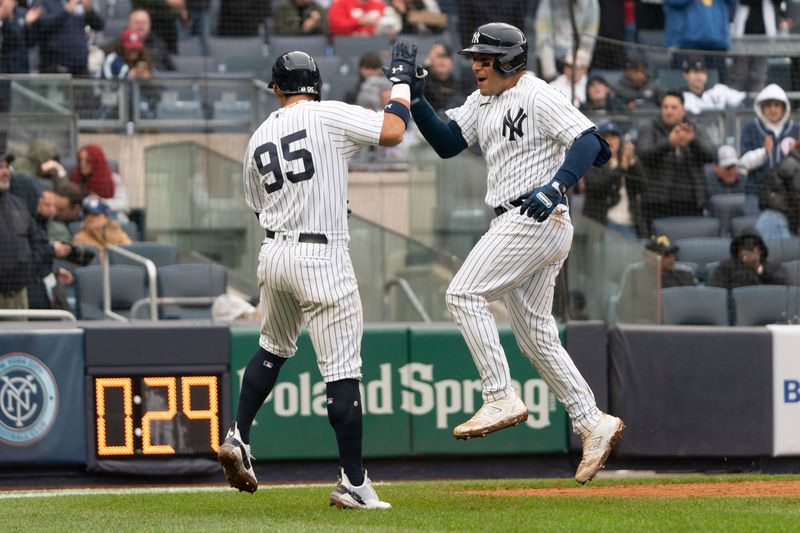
(42, 416)
(692, 391)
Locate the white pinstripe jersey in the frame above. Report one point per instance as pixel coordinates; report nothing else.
(523, 133)
(295, 165)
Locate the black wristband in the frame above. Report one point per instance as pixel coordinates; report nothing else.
(398, 109)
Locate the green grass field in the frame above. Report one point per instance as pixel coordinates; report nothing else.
(418, 506)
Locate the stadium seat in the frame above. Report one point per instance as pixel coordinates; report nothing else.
(128, 284)
(739, 224)
(353, 48)
(793, 269)
(230, 46)
(160, 253)
(180, 110)
(131, 229)
(703, 250)
(695, 306)
(758, 305)
(315, 45)
(710, 268)
(686, 227)
(190, 280)
(237, 111)
(726, 206)
(195, 65)
(783, 250)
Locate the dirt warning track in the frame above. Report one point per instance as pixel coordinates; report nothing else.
(740, 489)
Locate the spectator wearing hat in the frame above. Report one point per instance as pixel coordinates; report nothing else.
(128, 59)
(43, 161)
(61, 33)
(724, 176)
(673, 152)
(748, 264)
(554, 33)
(638, 296)
(98, 228)
(599, 97)
(19, 244)
(698, 98)
(573, 80)
(766, 141)
(300, 17)
(635, 86)
(441, 86)
(613, 191)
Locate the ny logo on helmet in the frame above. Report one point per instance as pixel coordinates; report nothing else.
(514, 125)
(476, 37)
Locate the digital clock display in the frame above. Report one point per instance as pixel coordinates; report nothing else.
(158, 415)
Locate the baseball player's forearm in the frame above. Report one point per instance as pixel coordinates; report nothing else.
(444, 137)
(587, 150)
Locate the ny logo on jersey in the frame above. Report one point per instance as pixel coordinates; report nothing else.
(514, 125)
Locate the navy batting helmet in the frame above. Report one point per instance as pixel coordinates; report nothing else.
(505, 41)
(297, 73)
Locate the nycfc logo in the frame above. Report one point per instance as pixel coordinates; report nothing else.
(28, 399)
(513, 126)
(476, 38)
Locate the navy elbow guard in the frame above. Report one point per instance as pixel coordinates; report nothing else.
(398, 109)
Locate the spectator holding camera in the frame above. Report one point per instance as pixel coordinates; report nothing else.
(129, 59)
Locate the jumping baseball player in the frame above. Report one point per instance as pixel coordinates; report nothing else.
(536, 145)
(295, 180)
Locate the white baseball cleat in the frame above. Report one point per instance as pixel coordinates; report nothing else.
(597, 446)
(236, 460)
(493, 416)
(348, 496)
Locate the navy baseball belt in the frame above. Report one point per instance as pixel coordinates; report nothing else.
(314, 238)
(506, 206)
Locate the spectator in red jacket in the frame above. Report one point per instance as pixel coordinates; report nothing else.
(355, 17)
(93, 175)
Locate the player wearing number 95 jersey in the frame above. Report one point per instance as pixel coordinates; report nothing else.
(295, 181)
(536, 146)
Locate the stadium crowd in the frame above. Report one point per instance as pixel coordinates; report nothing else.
(664, 163)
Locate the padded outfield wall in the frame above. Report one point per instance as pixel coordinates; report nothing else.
(152, 399)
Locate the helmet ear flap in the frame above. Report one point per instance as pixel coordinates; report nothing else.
(516, 56)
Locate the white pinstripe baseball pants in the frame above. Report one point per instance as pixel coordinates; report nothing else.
(312, 284)
(518, 260)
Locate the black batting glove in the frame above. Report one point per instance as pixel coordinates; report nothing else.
(418, 84)
(541, 202)
(404, 61)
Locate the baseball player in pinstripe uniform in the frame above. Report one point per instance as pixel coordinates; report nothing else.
(295, 180)
(536, 146)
